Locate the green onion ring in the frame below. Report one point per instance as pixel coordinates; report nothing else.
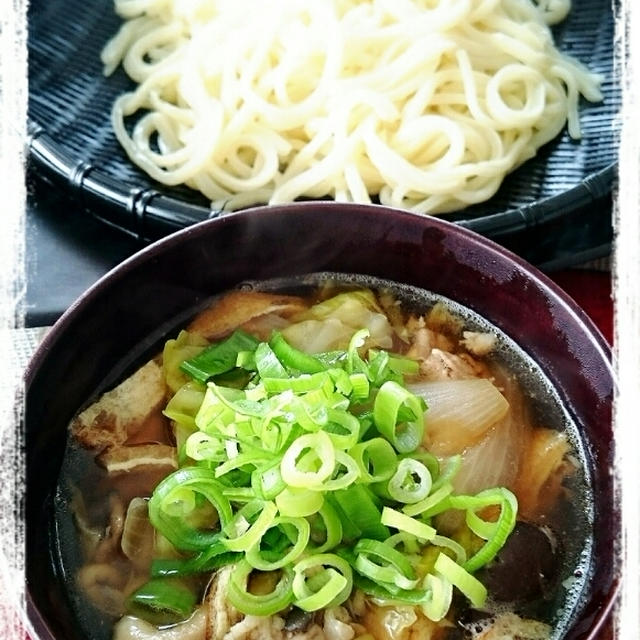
(402, 522)
(391, 397)
(175, 529)
(407, 468)
(471, 587)
(335, 583)
(258, 605)
(324, 451)
(255, 558)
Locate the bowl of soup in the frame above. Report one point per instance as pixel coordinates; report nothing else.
(321, 421)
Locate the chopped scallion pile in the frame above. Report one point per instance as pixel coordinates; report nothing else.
(314, 469)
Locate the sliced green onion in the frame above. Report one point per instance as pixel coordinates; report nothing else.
(213, 413)
(411, 543)
(504, 526)
(431, 502)
(402, 522)
(428, 460)
(162, 601)
(267, 481)
(258, 605)
(177, 487)
(480, 527)
(471, 587)
(331, 358)
(235, 493)
(386, 594)
(389, 557)
(332, 529)
(255, 558)
(379, 367)
(439, 593)
(299, 503)
(342, 480)
(359, 386)
(354, 363)
(403, 365)
(254, 458)
(300, 384)
(452, 545)
(448, 471)
(214, 557)
(376, 460)
(403, 486)
(358, 509)
(201, 446)
(267, 363)
(320, 444)
(293, 358)
(385, 574)
(252, 535)
(285, 475)
(327, 587)
(391, 399)
(220, 357)
(343, 428)
(246, 360)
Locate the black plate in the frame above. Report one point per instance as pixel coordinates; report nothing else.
(72, 142)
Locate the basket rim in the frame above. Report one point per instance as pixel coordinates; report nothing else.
(149, 214)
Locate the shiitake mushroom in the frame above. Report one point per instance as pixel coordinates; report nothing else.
(525, 568)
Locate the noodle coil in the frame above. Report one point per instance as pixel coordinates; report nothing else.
(424, 105)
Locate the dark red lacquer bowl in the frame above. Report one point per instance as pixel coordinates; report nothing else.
(134, 306)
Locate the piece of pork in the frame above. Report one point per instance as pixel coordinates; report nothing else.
(436, 352)
(442, 365)
(478, 343)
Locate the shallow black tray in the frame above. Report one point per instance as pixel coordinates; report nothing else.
(72, 145)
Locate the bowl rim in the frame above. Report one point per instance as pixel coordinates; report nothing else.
(301, 208)
(587, 327)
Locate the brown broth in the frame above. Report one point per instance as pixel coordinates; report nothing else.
(569, 519)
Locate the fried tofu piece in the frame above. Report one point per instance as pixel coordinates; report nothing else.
(238, 308)
(120, 413)
(120, 459)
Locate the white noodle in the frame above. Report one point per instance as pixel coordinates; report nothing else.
(424, 105)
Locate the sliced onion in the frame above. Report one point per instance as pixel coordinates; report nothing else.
(138, 533)
(543, 469)
(130, 628)
(492, 462)
(459, 412)
(495, 460)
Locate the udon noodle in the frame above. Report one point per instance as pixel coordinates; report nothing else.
(424, 105)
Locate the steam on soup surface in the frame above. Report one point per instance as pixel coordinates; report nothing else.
(347, 459)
